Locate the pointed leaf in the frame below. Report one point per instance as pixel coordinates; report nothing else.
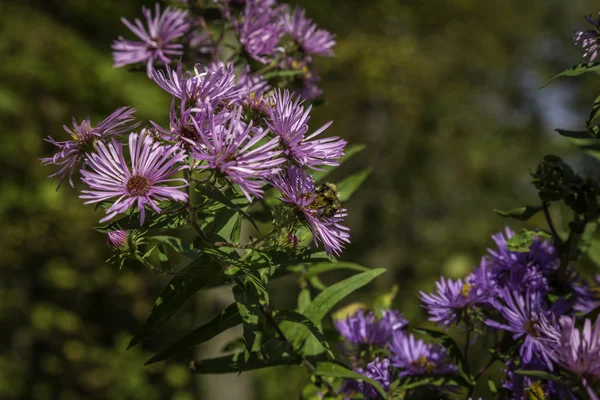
(237, 363)
(520, 213)
(574, 134)
(539, 374)
(218, 196)
(349, 185)
(229, 318)
(203, 272)
(576, 71)
(328, 298)
(317, 269)
(338, 371)
(297, 318)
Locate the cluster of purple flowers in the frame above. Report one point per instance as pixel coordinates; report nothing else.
(224, 120)
(399, 353)
(589, 40)
(514, 292)
(267, 34)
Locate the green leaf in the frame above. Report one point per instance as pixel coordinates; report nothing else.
(338, 371)
(349, 185)
(153, 221)
(328, 298)
(218, 196)
(453, 351)
(384, 301)
(248, 306)
(229, 318)
(522, 241)
(320, 268)
(574, 134)
(492, 386)
(539, 374)
(408, 383)
(203, 273)
(238, 363)
(349, 152)
(283, 74)
(297, 318)
(576, 71)
(594, 119)
(520, 213)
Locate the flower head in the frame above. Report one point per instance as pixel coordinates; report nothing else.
(231, 147)
(310, 39)
(143, 185)
(116, 239)
(366, 328)
(379, 371)
(577, 350)
(288, 119)
(203, 88)
(452, 298)
(260, 31)
(84, 137)
(156, 40)
(523, 270)
(589, 40)
(415, 357)
(521, 387)
(526, 318)
(319, 206)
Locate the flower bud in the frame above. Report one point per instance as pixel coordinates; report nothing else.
(117, 240)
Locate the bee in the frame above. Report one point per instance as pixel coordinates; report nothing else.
(328, 199)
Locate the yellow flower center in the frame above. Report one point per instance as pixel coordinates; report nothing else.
(536, 391)
(466, 289)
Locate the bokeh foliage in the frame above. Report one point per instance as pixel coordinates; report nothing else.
(445, 94)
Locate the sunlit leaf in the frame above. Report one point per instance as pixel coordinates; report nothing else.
(520, 213)
(349, 185)
(576, 71)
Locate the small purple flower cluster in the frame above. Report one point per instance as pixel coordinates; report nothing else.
(226, 121)
(399, 353)
(514, 292)
(589, 40)
(267, 34)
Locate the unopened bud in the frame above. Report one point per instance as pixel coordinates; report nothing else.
(117, 239)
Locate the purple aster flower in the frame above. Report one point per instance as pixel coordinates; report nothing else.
(157, 39)
(578, 351)
(202, 88)
(521, 387)
(589, 40)
(288, 119)
(84, 138)
(379, 371)
(415, 357)
(260, 31)
(525, 318)
(323, 216)
(526, 270)
(152, 165)
(310, 39)
(117, 239)
(446, 307)
(366, 328)
(231, 147)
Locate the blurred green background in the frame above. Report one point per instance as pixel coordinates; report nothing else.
(444, 93)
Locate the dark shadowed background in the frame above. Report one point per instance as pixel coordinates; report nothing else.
(444, 93)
